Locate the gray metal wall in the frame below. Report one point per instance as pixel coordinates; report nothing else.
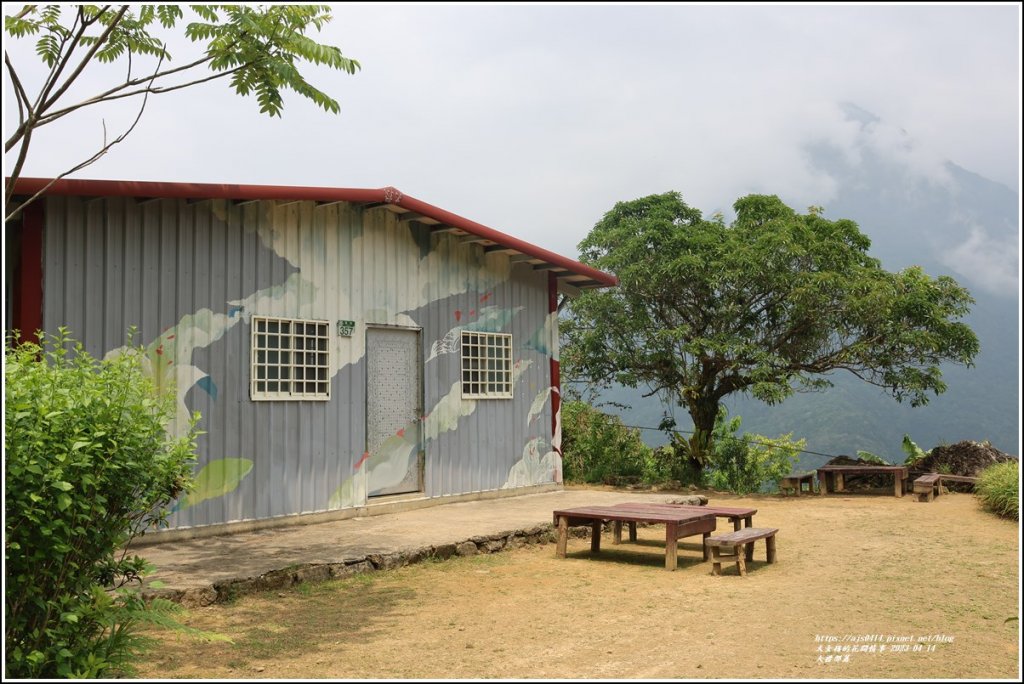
(190, 275)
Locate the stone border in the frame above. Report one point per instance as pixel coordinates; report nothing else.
(229, 589)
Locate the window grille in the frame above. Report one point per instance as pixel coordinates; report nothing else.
(291, 359)
(486, 365)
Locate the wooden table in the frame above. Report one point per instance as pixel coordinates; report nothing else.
(678, 524)
(734, 515)
(834, 475)
(795, 481)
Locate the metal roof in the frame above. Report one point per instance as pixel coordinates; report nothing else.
(569, 272)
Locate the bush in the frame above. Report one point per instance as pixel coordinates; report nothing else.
(597, 447)
(999, 489)
(744, 464)
(88, 467)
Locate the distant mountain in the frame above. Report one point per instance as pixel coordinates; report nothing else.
(922, 212)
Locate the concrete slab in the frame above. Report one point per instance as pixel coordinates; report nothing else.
(203, 571)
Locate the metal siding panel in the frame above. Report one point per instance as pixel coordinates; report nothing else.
(167, 312)
(131, 297)
(185, 250)
(226, 236)
(114, 329)
(72, 311)
(148, 262)
(54, 263)
(157, 263)
(91, 328)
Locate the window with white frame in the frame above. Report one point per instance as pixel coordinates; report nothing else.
(291, 359)
(486, 365)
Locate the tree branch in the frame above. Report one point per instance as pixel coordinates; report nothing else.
(50, 118)
(19, 90)
(91, 160)
(50, 99)
(16, 172)
(38, 108)
(59, 64)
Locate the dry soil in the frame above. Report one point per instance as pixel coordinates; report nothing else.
(866, 586)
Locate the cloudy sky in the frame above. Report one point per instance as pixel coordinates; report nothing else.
(536, 119)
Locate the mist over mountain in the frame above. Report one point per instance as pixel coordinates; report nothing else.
(918, 210)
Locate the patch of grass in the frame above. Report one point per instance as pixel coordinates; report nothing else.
(482, 560)
(264, 644)
(999, 489)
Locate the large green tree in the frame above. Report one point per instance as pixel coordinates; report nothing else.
(259, 48)
(767, 305)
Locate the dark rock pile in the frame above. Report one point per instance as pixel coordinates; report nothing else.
(963, 458)
(856, 482)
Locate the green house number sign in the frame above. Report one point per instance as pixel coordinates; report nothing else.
(345, 328)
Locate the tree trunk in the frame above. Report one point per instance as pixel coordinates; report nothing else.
(703, 413)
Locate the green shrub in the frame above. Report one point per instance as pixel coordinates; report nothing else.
(88, 467)
(746, 463)
(999, 489)
(664, 465)
(597, 447)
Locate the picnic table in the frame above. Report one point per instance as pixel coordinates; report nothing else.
(734, 515)
(678, 524)
(834, 475)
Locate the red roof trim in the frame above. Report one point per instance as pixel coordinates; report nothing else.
(116, 188)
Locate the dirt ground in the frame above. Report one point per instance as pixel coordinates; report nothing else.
(937, 585)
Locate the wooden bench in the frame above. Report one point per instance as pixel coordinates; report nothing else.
(795, 481)
(958, 478)
(927, 486)
(742, 542)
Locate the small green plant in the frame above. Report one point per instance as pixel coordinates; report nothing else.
(999, 489)
(915, 454)
(88, 467)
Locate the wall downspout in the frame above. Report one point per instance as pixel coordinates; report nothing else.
(28, 303)
(556, 376)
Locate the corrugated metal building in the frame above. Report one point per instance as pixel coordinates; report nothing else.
(345, 348)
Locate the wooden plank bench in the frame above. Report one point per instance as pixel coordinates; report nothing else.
(958, 478)
(742, 542)
(795, 482)
(927, 486)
